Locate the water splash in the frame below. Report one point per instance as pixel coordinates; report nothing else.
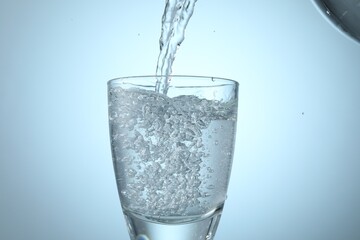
(176, 16)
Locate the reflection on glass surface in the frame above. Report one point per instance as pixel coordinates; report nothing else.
(344, 14)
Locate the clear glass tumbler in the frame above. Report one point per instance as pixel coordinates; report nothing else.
(172, 153)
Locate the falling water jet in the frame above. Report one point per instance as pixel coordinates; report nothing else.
(176, 16)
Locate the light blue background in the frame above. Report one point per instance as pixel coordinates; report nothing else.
(296, 173)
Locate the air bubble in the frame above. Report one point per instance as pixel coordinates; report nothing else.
(131, 173)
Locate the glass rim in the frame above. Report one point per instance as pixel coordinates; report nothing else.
(121, 79)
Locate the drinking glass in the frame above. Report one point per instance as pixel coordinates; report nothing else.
(172, 153)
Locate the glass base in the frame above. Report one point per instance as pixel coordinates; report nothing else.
(203, 228)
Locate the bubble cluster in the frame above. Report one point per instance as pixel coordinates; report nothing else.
(159, 150)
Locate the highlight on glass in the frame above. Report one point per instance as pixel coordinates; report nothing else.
(344, 14)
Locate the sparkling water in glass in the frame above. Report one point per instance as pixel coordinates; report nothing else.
(172, 153)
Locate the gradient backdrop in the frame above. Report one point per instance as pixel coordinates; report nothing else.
(296, 173)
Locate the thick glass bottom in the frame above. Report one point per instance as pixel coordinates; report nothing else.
(200, 228)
